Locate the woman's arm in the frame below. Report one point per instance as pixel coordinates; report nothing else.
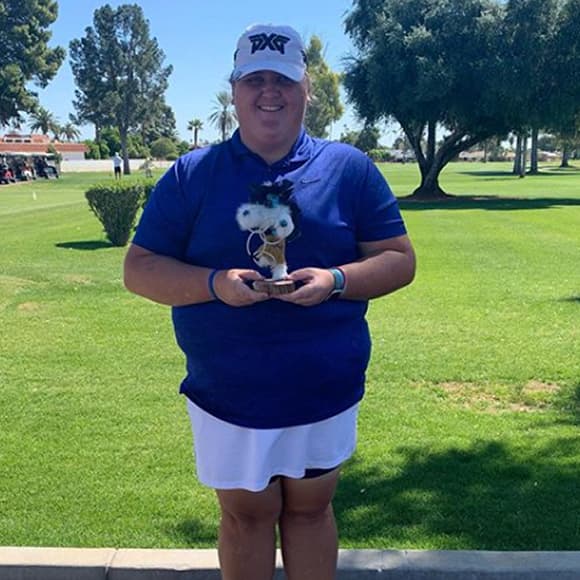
(168, 281)
(384, 266)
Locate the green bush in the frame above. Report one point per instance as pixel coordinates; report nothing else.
(93, 151)
(380, 155)
(148, 186)
(164, 148)
(116, 206)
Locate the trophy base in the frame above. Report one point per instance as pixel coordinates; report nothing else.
(274, 287)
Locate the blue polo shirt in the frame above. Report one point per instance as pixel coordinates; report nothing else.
(272, 364)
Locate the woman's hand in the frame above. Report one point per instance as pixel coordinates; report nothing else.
(317, 284)
(231, 288)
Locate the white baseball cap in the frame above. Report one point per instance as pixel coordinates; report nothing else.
(270, 47)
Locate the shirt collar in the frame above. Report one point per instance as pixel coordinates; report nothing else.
(300, 151)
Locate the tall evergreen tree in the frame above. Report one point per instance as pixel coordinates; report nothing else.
(118, 69)
(160, 124)
(25, 55)
(324, 107)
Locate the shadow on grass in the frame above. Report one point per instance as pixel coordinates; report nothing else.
(86, 245)
(570, 404)
(195, 533)
(552, 172)
(487, 497)
(575, 298)
(486, 202)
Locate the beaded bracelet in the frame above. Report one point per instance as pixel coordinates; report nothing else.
(210, 284)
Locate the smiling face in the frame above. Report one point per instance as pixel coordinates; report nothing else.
(270, 109)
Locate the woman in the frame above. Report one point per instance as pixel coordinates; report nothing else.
(273, 381)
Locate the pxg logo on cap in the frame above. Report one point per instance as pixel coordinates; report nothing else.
(264, 41)
(269, 47)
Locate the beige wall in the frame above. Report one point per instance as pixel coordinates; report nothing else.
(106, 165)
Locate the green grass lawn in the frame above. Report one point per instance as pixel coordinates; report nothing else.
(468, 432)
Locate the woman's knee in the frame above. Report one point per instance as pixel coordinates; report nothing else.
(247, 510)
(309, 500)
(307, 515)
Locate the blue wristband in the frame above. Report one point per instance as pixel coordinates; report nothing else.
(210, 282)
(339, 281)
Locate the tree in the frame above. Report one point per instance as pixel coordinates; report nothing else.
(324, 107)
(164, 148)
(547, 142)
(69, 132)
(159, 123)
(196, 126)
(223, 116)
(429, 64)
(93, 150)
(568, 139)
(25, 55)
(43, 121)
(182, 147)
(368, 138)
(119, 73)
(530, 28)
(349, 136)
(566, 124)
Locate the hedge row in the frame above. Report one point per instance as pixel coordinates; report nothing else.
(116, 206)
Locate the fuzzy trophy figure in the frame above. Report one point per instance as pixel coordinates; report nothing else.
(273, 217)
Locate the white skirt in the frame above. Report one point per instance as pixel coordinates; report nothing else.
(232, 457)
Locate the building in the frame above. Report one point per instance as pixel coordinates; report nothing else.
(14, 144)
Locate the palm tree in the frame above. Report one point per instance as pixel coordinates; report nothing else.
(196, 126)
(70, 132)
(44, 121)
(223, 116)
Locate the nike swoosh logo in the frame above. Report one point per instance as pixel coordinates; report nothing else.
(306, 180)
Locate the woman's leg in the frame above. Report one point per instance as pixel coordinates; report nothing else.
(307, 528)
(247, 536)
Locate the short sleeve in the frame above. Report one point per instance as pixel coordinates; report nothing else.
(165, 224)
(377, 215)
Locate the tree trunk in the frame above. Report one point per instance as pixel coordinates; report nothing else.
(431, 164)
(518, 156)
(565, 156)
(429, 189)
(431, 140)
(534, 153)
(524, 155)
(124, 154)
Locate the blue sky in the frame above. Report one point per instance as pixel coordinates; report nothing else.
(198, 38)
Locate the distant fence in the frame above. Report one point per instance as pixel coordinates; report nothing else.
(106, 165)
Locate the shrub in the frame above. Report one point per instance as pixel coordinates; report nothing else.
(380, 155)
(104, 150)
(116, 206)
(164, 148)
(93, 151)
(148, 186)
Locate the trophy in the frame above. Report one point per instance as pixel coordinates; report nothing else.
(271, 218)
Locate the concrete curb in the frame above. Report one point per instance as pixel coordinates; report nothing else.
(127, 564)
